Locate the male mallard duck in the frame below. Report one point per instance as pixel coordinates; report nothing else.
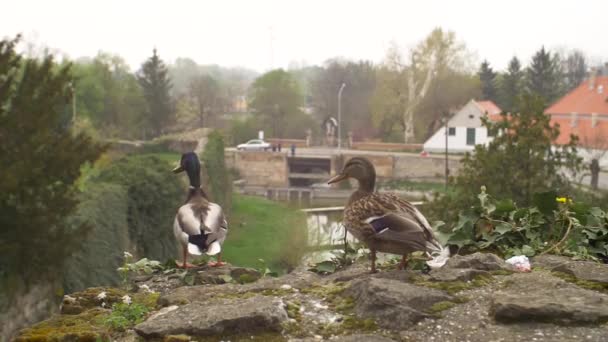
(200, 225)
(383, 221)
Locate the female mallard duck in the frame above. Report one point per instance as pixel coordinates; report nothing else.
(200, 225)
(383, 221)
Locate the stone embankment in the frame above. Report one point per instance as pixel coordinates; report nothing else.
(473, 298)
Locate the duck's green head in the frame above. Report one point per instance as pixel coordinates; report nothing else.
(190, 163)
(360, 169)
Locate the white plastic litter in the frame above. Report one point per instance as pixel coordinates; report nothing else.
(521, 263)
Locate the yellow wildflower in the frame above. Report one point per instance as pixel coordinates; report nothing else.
(561, 199)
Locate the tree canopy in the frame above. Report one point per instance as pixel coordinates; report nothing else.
(276, 98)
(156, 85)
(543, 76)
(487, 76)
(510, 85)
(41, 160)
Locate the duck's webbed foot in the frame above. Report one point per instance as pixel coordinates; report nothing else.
(184, 265)
(217, 263)
(403, 263)
(373, 259)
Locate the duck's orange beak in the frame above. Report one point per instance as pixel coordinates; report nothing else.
(337, 178)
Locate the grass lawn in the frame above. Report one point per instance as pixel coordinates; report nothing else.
(263, 229)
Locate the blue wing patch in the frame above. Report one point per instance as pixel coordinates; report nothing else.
(378, 224)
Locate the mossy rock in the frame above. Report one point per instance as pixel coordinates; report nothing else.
(453, 287)
(177, 338)
(441, 306)
(586, 284)
(150, 300)
(79, 302)
(84, 327)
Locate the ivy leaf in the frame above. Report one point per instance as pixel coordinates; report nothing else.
(504, 207)
(503, 228)
(464, 235)
(528, 251)
(545, 202)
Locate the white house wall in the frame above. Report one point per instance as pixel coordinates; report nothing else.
(456, 143)
(467, 117)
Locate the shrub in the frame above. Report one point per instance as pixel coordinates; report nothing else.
(153, 195)
(551, 225)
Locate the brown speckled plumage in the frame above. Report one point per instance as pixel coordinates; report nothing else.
(383, 221)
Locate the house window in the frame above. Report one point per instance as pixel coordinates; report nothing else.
(451, 131)
(470, 136)
(593, 119)
(573, 119)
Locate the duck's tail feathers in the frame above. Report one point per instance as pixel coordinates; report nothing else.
(194, 249)
(214, 248)
(439, 255)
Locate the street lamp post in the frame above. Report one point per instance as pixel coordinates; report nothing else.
(447, 169)
(340, 115)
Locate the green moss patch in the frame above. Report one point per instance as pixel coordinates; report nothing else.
(453, 287)
(84, 327)
(586, 284)
(441, 306)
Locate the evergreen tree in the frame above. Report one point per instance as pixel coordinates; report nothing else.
(487, 76)
(575, 66)
(544, 76)
(156, 86)
(511, 85)
(41, 160)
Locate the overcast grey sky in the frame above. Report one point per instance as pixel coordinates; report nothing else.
(238, 33)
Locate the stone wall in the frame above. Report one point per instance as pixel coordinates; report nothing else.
(271, 169)
(25, 306)
(384, 164)
(261, 168)
(416, 167)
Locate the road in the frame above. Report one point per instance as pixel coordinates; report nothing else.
(602, 181)
(326, 152)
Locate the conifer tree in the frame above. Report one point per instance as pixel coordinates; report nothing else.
(154, 80)
(511, 85)
(544, 76)
(41, 160)
(487, 76)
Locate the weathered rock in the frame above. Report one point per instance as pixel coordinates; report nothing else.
(478, 261)
(188, 294)
(583, 270)
(457, 274)
(78, 302)
(399, 275)
(536, 297)
(549, 261)
(349, 338)
(245, 275)
(353, 272)
(218, 317)
(393, 304)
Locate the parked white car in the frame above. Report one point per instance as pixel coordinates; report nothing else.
(255, 144)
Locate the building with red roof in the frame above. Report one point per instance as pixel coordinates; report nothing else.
(465, 129)
(583, 112)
